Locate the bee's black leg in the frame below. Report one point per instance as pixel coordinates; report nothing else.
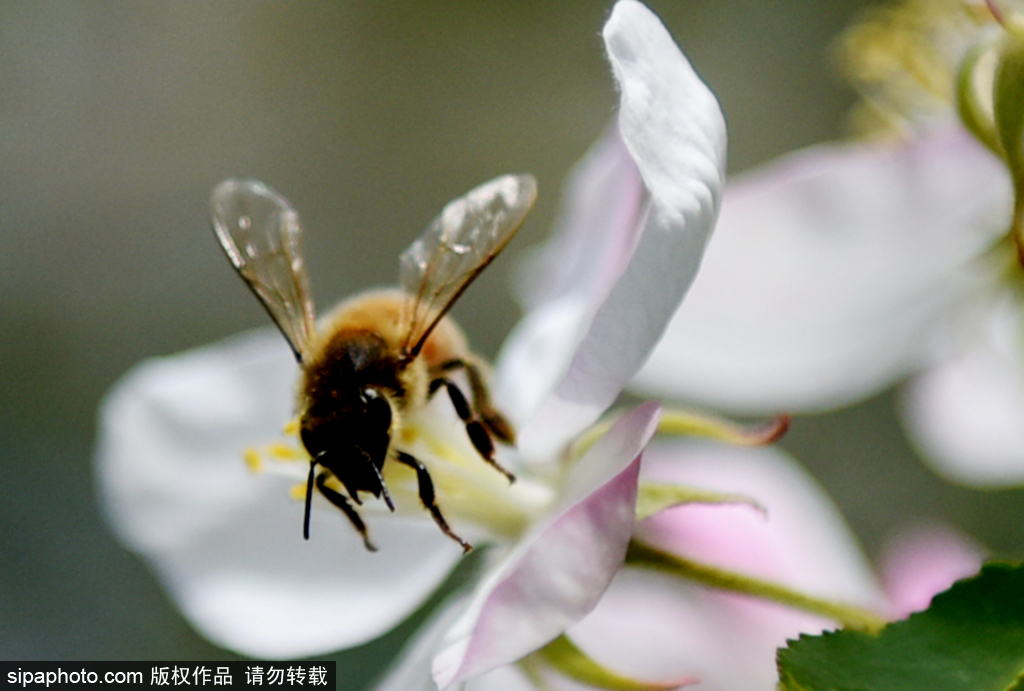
(382, 489)
(309, 498)
(496, 423)
(341, 502)
(478, 433)
(426, 486)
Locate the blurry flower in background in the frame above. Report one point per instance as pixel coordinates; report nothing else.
(904, 58)
(668, 632)
(841, 269)
(227, 544)
(922, 560)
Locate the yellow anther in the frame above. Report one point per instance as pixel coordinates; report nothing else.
(285, 452)
(291, 429)
(252, 459)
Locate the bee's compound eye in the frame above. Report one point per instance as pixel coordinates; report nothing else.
(378, 409)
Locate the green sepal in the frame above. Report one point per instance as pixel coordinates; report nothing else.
(971, 638)
(1008, 105)
(564, 657)
(655, 497)
(974, 114)
(1008, 109)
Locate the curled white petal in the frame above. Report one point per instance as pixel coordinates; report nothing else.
(674, 131)
(828, 271)
(226, 543)
(567, 278)
(597, 228)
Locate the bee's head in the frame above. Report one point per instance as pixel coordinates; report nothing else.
(358, 420)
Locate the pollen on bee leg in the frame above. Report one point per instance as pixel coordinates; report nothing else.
(409, 434)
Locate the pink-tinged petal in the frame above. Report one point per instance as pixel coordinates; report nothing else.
(228, 544)
(597, 228)
(567, 278)
(673, 128)
(828, 270)
(803, 541)
(966, 415)
(557, 573)
(917, 563)
(652, 625)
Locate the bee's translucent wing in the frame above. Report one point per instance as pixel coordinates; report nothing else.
(457, 246)
(261, 234)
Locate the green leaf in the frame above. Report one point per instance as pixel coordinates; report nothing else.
(971, 638)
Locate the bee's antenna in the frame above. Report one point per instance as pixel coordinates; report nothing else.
(309, 497)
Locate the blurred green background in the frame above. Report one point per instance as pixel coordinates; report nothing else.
(117, 119)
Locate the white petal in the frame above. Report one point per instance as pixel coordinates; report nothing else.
(673, 128)
(650, 626)
(827, 270)
(227, 544)
(557, 573)
(172, 433)
(966, 415)
(567, 278)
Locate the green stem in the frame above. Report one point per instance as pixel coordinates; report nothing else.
(851, 617)
(1018, 225)
(563, 656)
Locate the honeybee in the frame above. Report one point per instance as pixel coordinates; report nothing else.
(384, 353)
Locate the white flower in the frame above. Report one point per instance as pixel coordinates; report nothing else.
(227, 543)
(841, 269)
